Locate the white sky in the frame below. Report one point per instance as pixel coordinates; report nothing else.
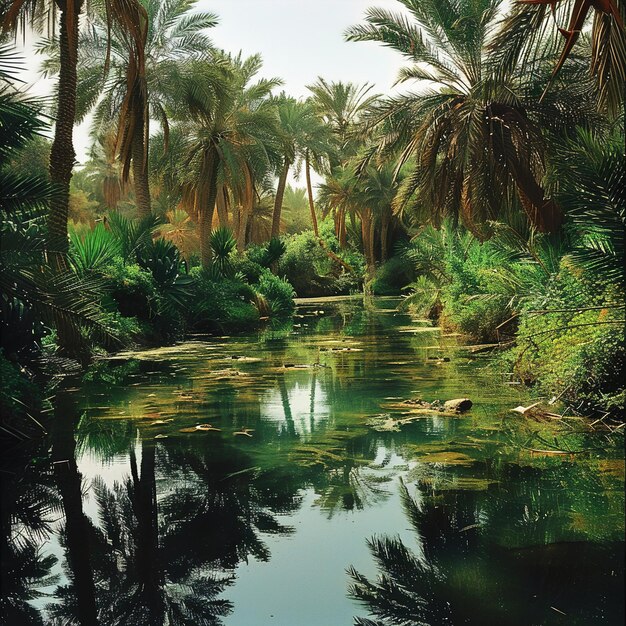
(299, 40)
(303, 39)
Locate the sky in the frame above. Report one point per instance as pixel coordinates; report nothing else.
(298, 40)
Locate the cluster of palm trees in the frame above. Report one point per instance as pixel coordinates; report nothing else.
(473, 141)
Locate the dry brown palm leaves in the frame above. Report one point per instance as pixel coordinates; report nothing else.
(605, 35)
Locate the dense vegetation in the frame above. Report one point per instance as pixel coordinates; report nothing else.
(491, 195)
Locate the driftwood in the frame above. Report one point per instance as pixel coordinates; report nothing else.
(415, 409)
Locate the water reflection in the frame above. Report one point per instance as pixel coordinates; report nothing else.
(458, 570)
(135, 517)
(28, 506)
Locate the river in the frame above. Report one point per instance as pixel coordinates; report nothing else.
(301, 501)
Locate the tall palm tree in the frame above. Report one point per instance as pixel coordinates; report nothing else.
(346, 193)
(228, 124)
(295, 120)
(341, 106)
(380, 188)
(475, 132)
(131, 18)
(33, 296)
(173, 33)
(103, 171)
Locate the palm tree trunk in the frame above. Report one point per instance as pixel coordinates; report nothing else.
(367, 234)
(343, 234)
(384, 235)
(322, 243)
(222, 206)
(245, 208)
(69, 484)
(62, 153)
(140, 170)
(371, 244)
(309, 189)
(278, 202)
(206, 210)
(244, 216)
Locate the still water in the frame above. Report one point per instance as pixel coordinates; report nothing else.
(300, 502)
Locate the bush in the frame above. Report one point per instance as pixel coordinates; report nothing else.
(278, 292)
(478, 317)
(127, 329)
(308, 267)
(248, 264)
(222, 305)
(132, 288)
(392, 276)
(577, 355)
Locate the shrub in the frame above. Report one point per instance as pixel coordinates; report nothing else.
(278, 292)
(575, 354)
(311, 271)
(246, 266)
(392, 276)
(127, 329)
(224, 304)
(132, 288)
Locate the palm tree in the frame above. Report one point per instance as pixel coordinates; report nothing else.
(475, 132)
(380, 188)
(229, 125)
(339, 194)
(173, 34)
(103, 171)
(296, 207)
(34, 297)
(347, 193)
(341, 106)
(131, 19)
(295, 120)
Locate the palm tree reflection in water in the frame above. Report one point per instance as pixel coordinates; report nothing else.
(460, 573)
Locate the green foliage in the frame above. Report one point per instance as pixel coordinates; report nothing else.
(92, 251)
(272, 252)
(132, 234)
(591, 173)
(127, 329)
(458, 279)
(162, 259)
(424, 298)
(246, 266)
(304, 264)
(574, 353)
(132, 287)
(33, 295)
(296, 211)
(391, 277)
(18, 394)
(223, 244)
(268, 254)
(278, 292)
(224, 304)
(312, 271)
